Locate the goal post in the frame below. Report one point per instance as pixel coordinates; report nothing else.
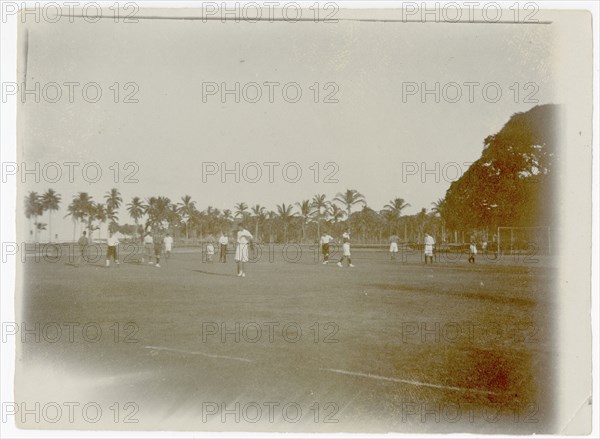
(512, 240)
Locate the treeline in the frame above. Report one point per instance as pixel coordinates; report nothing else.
(511, 184)
(302, 221)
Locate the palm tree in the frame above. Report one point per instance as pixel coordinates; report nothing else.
(136, 211)
(113, 203)
(212, 217)
(241, 211)
(438, 206)
(210, 211)
(337, 214)
(395, 207)
(33, 209)
(349, 199)
(40, 226)
(439, 209)
(304, 208)
(157, 209)
(164, 207)
(76, 216)
(421, 221)
(367, 220)
(227, 215)
(50, 202)
(214, 220)
(100, 214)
(197, 222)
(174, 216)
(286, 215)
(84, 204)
(321, 210)
(391, 219)
(113, 199)
(186, 209)
(259, 214)
(113, 217)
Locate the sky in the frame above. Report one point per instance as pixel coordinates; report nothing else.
(374, 138)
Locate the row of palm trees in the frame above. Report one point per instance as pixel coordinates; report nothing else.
(36, 205)
(302, 221)
(81, 209)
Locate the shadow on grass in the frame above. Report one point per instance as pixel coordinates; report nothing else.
(215, 274)
(85, 264)
(490, 296)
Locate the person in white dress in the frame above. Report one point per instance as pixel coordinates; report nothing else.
(394, 246)
(244, 238)
(346, 250)
(168, 242)
(428, 251)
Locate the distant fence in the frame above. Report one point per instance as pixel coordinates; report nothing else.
(524, 240)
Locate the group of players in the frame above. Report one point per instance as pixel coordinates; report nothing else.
(153, 248)
(155, 245)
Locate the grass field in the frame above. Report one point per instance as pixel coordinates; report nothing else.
(295, 346)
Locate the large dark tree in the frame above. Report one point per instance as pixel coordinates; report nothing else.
(512, 183)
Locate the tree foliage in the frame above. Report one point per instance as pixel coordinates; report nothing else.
(511, 183)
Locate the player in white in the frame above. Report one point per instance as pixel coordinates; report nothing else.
(168, 242)
(325, 240)
(223, 242)
(148, 247)
(113, 249)
(83, 245)
(346, 249)
(244, 238)
(158, 248)
(428, 251)
(472, 252)
(210, 252)
(393, 246)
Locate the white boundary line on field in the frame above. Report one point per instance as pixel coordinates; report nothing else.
(339, 371)
(414, 383)
(181, 351)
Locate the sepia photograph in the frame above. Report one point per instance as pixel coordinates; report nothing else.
(298, 217)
